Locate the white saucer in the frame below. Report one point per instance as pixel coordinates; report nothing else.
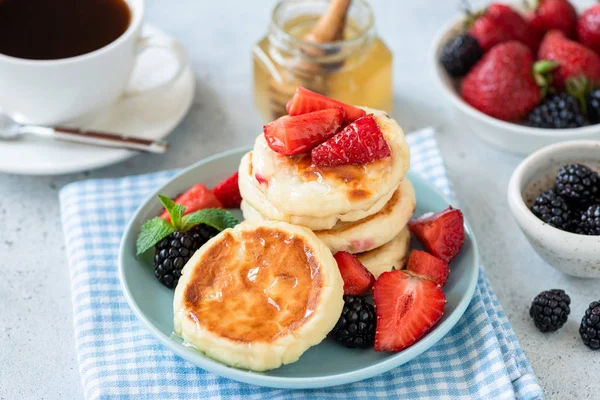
(151, 115)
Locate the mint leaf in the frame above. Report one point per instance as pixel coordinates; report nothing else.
(175, 210)
(215, 217)
(153, 231)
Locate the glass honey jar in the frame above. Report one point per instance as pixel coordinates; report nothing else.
(356, 69)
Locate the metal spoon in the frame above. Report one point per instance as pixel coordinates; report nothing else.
(10, 130)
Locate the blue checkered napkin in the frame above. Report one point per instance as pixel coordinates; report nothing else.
(480, 358)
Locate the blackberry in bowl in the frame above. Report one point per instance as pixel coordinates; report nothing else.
(550, 194)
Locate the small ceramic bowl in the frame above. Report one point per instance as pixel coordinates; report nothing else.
(576, 255)
(514, 137)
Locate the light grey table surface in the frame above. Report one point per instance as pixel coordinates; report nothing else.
(36, 329)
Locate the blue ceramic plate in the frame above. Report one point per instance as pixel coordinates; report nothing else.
(326, 364)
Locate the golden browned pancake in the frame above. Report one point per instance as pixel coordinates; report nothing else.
(259, 295)
(254, 197)
(368, 233)
(294, 186)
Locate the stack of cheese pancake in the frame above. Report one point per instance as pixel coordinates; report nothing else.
(259, 295)
(362, 209)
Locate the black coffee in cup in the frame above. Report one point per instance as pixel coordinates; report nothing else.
(55, 29)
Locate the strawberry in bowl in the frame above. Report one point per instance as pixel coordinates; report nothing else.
(521, 97)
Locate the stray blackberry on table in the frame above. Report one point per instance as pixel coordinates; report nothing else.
(590, 326)
(550, 310)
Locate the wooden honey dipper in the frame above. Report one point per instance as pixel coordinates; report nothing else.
(312, 75)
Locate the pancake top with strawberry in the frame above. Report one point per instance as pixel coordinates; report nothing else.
(313, 184)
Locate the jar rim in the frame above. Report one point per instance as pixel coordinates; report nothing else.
(361, 37)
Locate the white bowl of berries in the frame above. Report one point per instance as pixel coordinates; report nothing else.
(527, 86)
(554, 195)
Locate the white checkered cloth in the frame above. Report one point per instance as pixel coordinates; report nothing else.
(480, 358)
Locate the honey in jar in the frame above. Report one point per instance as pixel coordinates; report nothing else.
(356, 69)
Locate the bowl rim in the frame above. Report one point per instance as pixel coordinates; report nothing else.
(259, 379)
(466, 108)
(516, 201)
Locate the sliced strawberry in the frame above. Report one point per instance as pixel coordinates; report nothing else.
(228, 192)
(299, 134)
(360, 142)
(305, 101)
(357, 279)
(407, 307)
(425, 265)
(442, 233)
(198, 197)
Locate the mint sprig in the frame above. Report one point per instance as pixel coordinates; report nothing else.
(156, 229)
(214, 217)
(153, 231)
(175, 210)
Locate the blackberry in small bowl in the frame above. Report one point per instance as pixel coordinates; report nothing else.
(590, 220)
(568, 249)
(578, 183)
(356, 326)
(552, 209)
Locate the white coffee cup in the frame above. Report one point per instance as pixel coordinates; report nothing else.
(50, 92)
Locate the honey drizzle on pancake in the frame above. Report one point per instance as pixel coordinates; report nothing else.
(355, 178)
(255, 288)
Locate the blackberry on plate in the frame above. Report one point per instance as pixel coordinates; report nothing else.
(550, 310)
(176, 239)
(356, 326)
(174, 251)
(552, 209)
(590, 220)
(560, 111)
(593, 106)
(590, 326)
(460, 54)
(577, 183)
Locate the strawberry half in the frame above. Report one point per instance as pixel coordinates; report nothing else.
(305, 101)
(357, 279)
(442, 233)
(407, 307)
(228, 192)
(425, 265)
(359, 143)
(299, 134)
(198, 197)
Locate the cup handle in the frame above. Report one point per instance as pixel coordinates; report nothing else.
(155, 42)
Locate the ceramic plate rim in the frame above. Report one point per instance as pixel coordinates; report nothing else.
(285, 382)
